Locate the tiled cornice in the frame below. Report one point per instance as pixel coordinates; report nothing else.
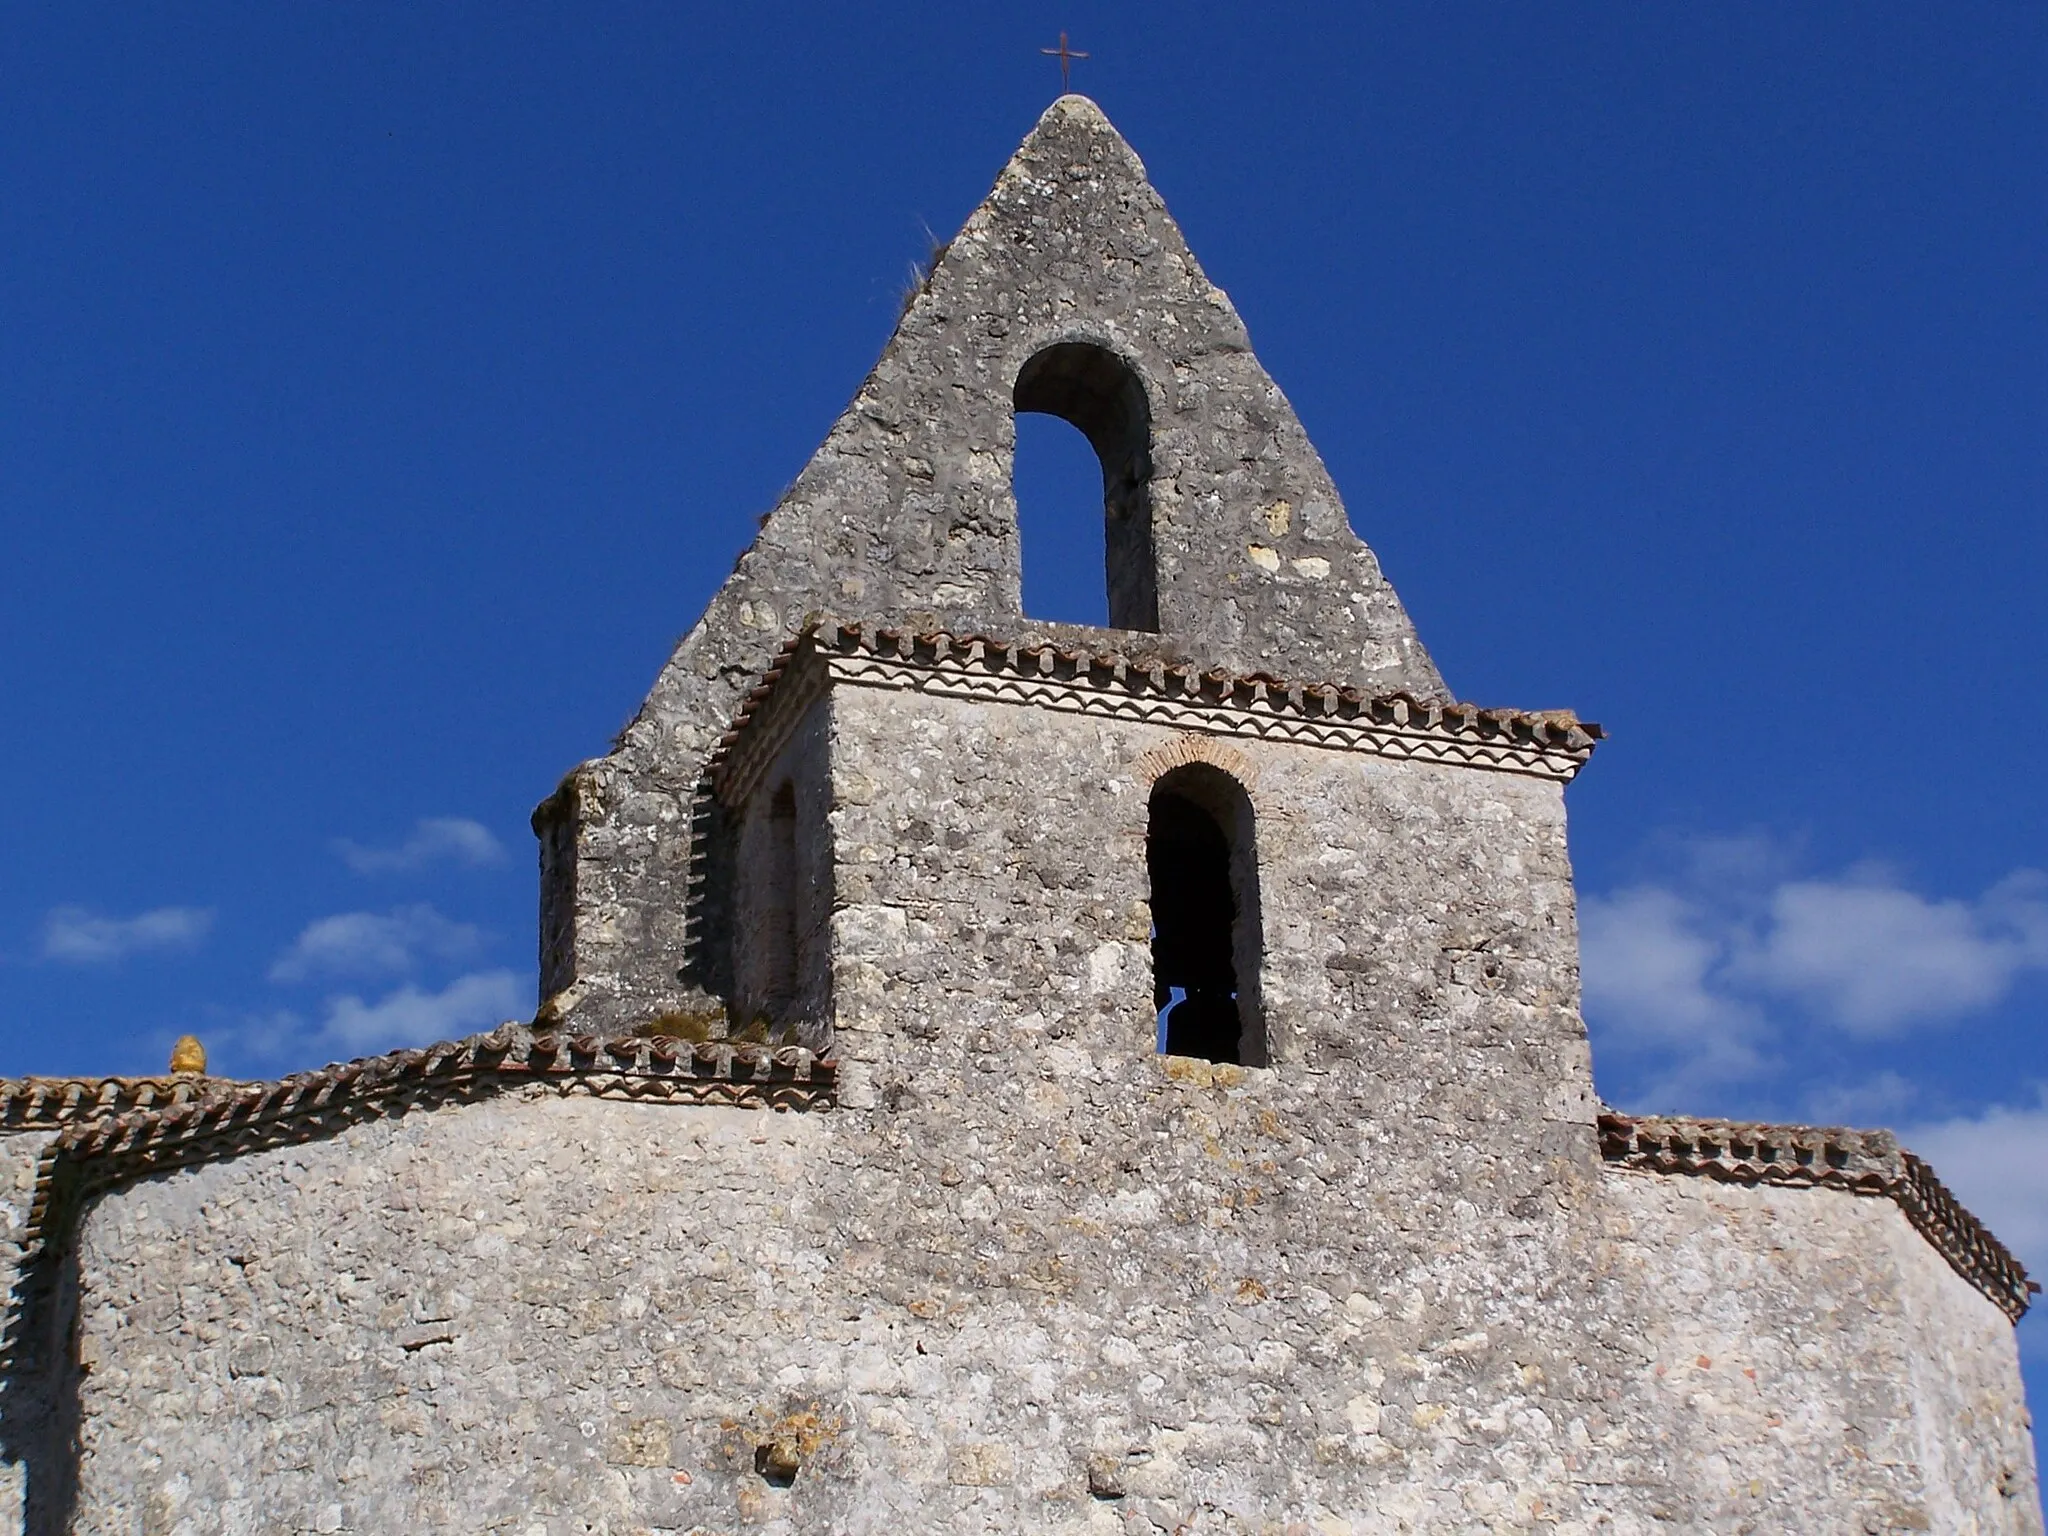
(132, 1127)
(1150, 690)
(1859, 1162)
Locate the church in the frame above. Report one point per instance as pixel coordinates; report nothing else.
(1002, 1076)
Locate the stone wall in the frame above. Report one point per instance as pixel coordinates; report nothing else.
(576, 1315)
(1811, 1363)
(546, 1315)
(991, 865)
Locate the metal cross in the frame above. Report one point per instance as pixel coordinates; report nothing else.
(1066, 56)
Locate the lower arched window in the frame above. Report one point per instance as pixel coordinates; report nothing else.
(1202, 856)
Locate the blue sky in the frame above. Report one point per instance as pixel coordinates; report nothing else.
(384, 388)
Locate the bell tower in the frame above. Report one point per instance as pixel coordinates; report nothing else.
(1069, 291)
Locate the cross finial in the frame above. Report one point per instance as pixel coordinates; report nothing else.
(1066, 56)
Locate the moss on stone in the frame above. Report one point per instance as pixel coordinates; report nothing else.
(697, 1023)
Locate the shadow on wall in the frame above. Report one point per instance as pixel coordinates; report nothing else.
(40, 1414)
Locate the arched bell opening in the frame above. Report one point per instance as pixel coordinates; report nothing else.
(1101, 396)
(1201, 854)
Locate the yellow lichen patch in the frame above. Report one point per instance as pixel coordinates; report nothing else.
(1201, 1074)
(554, 1010)
(640, 1443)
(1042, 1272)
(779, 1446)
(810, 1428)
(1278, 516)
(982, 1464)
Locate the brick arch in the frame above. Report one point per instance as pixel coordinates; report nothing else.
(1189, 747)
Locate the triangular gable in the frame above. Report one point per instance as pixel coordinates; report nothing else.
(906, 509)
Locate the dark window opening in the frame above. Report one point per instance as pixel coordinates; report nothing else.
(769, 980)
(1099, 394)
(782, 875)
(1201, 856)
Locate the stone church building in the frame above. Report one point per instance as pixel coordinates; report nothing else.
(1000, 1076)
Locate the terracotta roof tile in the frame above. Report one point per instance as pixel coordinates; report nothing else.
(28, 1102)
(1173, 679)
(116, 1128)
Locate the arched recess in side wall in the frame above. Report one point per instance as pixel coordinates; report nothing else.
(1101, 395)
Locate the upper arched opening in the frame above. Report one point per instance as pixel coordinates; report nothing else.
(1100, 395)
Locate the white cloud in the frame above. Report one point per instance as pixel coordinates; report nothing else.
(1648, 951)
(348, 1026)
(1690, 971)
(374, 944)
(279, 1036)
(1996, 1163)
(433, 840)
(410, 1016)
(81, 937)
(1875, 1100)
(287, 1040)
(1875, 958)
(1649, 959)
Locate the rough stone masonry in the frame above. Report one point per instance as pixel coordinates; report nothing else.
(1000, 1076)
